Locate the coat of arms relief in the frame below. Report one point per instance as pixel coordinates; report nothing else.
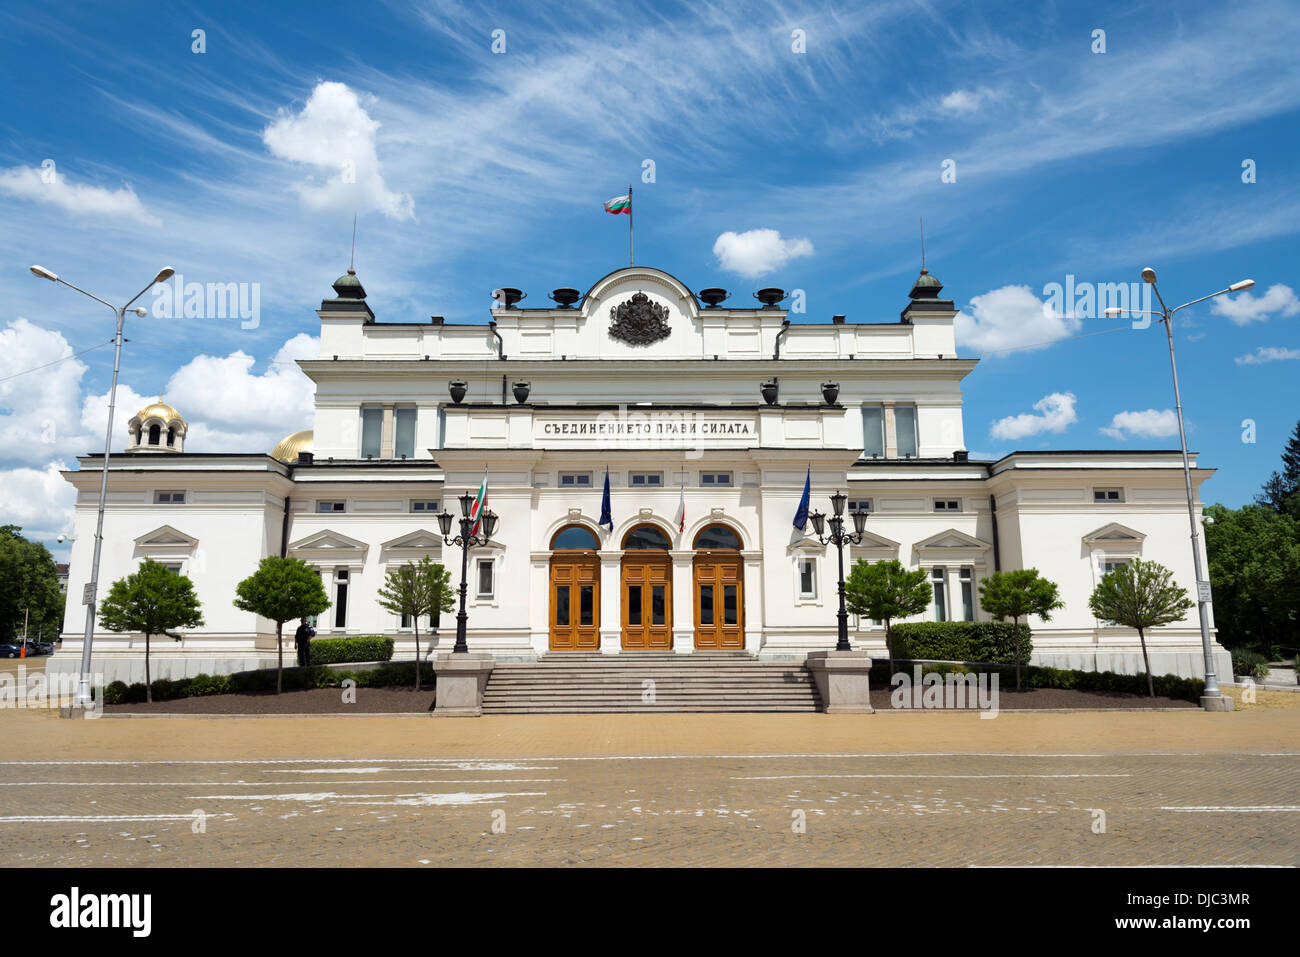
(639, 321)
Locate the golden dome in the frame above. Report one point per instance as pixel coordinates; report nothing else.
(162, 410)
(289, 447)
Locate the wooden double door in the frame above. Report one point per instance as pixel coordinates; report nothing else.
(647, 601)
(719, 601)
(575, 601)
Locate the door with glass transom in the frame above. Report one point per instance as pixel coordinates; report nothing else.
(575, 590)
(647, 595)
(718, 584)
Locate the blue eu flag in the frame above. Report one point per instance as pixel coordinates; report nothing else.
(606, 518)
(801, 516)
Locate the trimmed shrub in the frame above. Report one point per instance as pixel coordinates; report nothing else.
(1033, 676)
(1248, 664)
(997, 641)
(333, 651)
(263, 682)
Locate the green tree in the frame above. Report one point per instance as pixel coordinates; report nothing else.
(1254, 559)
(29, 586)
(884, 591)
(282, 589)
(1019, 594)
(417, 589)
(1140, 595)
(153, 600)
(1282, 486)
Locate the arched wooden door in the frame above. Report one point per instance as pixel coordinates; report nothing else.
(718, 585)
(575, 590)
(647, 587)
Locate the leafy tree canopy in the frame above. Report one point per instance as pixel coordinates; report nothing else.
(282, 589)
(152, 600)
(1140, 595)
(29, 585)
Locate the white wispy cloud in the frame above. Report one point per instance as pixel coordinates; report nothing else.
(1011, 318)
(1267, 354)
(758, 252)
(1246, 308)
(1147, 424)
(48, 185)
(1053, 413)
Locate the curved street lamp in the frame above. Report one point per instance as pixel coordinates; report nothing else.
(839, 538)
(1166, 316)
(83, 698)
(465, 540)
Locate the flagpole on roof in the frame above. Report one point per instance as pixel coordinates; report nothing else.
(631, 249)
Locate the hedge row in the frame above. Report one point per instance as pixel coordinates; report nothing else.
(1036, 676)
(998, 641)
(334, 651)
(1248, 664)
(244, 682)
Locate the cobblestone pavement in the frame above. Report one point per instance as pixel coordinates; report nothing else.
(771, 790)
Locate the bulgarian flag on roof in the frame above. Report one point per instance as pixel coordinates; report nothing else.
(619, 204)
(480, 503)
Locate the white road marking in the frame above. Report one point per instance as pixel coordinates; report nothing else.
(264, 784)
(97, 818)
(1214, 809)
(785, 777)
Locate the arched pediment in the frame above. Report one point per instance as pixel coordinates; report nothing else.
(645, 278)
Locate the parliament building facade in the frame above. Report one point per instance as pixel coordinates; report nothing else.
(680, 399)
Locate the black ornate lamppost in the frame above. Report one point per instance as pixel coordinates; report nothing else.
(466, 541)
(839, 538)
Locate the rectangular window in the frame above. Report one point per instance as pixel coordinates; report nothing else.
(634, 604)
(575, 480)
(859, 505)
(330, 506)
(947, 505)
(404, 433)
(426, 506)
(807, 578)
(406, 622)
(715, 479)
(729, 610)
(657, 606)
(372, 427)
(486, 583)
(562, 605)
(172, 567)
(905, 430)
(1109, 566)
(586, 604)
(169, 498)
(967, 594)
(938, 580)
(341, 598)
(873, 430)
(645, 479)
(706, 604)
(1107, 495)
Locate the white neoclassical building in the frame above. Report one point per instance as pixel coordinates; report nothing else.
(679, 398)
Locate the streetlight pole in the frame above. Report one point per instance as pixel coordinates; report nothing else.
(83, 698)
(465, 540)
(839, 538)
(1212, 700)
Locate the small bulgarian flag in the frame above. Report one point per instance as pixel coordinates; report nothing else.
(480, 503)
(619, 204)
(680, 517)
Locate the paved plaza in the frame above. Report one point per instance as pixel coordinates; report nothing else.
(762, 790)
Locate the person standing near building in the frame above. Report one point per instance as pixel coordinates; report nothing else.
(302, 641)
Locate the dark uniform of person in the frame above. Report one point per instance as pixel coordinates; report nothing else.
(302, 641)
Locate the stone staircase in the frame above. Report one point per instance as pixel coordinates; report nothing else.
(577, 682)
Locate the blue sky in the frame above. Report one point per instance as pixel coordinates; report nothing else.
(123, 149)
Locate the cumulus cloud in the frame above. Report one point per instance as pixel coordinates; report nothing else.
(48, 185)
(1011, 318)
(1147, 424)
(334, 134)
(1247, 308)
(37, 500)
(1055, 413)
(962, 101)
(1267, 354)
(758, 251)
(38, 410)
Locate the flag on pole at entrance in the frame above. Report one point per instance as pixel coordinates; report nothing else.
(680, 517)
(606, 519)
(801, 515)
(480, 503)
(620, 204)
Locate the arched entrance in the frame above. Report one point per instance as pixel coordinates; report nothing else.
(718, 587)
(647, 610)
(575, 590)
